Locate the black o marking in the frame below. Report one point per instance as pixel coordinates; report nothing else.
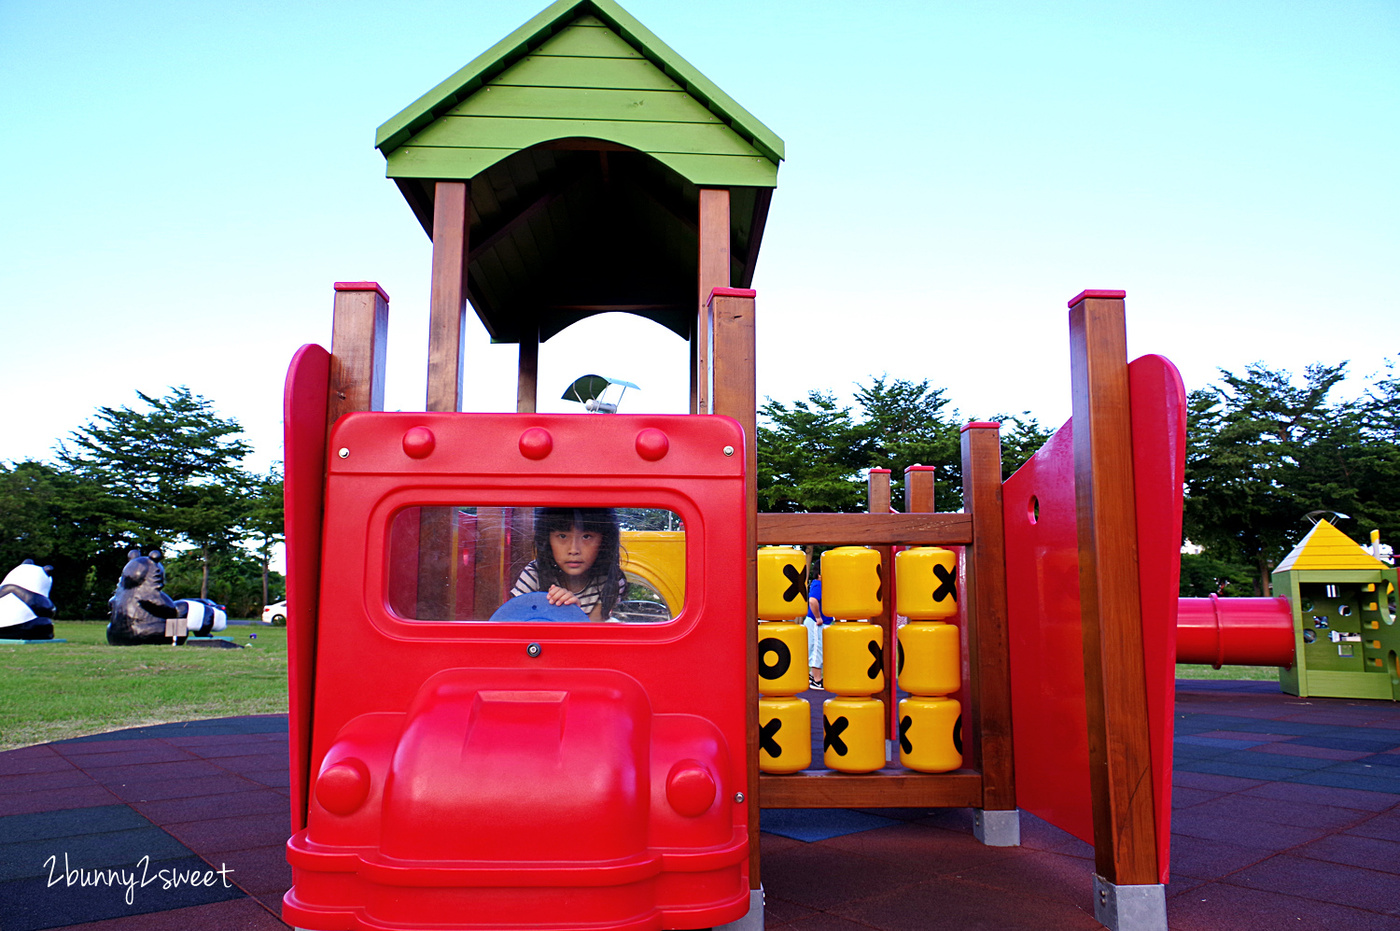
(831, 735)
(957, 735)
(765, 738)
(874, 671)
(899, 657)
(948, 579)
(778, 667)
(798, 579)
(904, 724)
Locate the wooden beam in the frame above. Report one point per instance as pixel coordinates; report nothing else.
(1120, 758)
(736, 395)
(865, 529)
(527, 380)
(989, 644)
(815, 788)
(918, 489)
(448, 303)
(877, 503)
(359, 343)
(714, 273)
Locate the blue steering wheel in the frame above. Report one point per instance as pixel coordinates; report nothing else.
(535, 608)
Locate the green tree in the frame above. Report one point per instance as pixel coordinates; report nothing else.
(1262, 451)
(813, 455)
(174, 468)
(263, 522)
(57, 519)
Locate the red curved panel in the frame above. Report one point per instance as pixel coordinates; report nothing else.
(304, 451)
(1046, 633)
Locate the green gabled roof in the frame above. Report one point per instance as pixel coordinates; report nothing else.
(460, 87)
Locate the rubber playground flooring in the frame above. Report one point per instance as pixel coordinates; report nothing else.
(1287, 815)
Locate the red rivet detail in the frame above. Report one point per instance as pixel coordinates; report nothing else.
(536, 443)
(690, 788)
(342, 788)
(419, 442)
(652, 444)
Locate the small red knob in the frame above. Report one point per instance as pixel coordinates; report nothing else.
(419, 442)
(343, 787)
(536, 443)
(652, 444)
(690, 788)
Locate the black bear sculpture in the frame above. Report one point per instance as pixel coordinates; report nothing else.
(141, 612)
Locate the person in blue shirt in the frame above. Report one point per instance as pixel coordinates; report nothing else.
(814, 623)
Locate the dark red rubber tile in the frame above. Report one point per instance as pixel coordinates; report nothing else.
(42, 782)
(258, 871)
(1245, 735)
(1193, 858)
(278, 778)
(252, 760)
(1320, 881)
(56, 799)
(1037, 834)
(170, 771)
(957, 905)
(256, 800)
(120, 752)
(1213, 781)
(183, 788)
(1182, 797)
(211, 745)
(241, 832)
(31, 760)
(822, 878)
(1353, 850)
(1338, 798)
(235, 915)
(778, 909)
(1250, 808)
(1292, 748)
(1265, 837)
(1385, 826)
(942, 851)
(1216, 907)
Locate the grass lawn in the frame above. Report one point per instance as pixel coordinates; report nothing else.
(1263, 673)
(53, 691)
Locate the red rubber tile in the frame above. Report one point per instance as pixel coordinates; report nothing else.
(1316, 753)
(1321, 881)
(1358, 799)
(241, 832)
(1353, 850)
(56, 799)
(1214, 782)
(939, 850)
(1217, 906)
(1193, 858)
(957, 905)
(170, 771)
(256, 800)
(234, 915)
(42, 782)
(31, 760)
(1265, 837)
(183, 788)
(258, 871)
(1385, 826)
(1250, 808)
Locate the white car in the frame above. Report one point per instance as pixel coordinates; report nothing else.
(275, 614)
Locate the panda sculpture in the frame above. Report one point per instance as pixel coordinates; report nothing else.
(25, 610)
(141, 612)
(203, 618)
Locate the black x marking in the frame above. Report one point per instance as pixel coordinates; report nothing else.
(904, 724)
(879, 663)
(880, 582)
(765, 737)
(948, 583)
(798, 579)
(831, 735)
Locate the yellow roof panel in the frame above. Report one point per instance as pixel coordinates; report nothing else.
(1327, 548)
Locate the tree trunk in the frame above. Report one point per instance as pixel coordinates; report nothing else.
(264, 571)
(1265, 584)
(204, 574)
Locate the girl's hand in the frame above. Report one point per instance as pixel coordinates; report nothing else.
(559, 595)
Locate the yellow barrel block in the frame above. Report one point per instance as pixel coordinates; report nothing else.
(782, 658)
(782, 583)
(852, 588)
(853, 658)
(926, 583)
(930, 734)
(853, 734)
(784, 735)
(930, 658)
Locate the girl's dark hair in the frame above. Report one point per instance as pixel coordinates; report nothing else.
(606, 569)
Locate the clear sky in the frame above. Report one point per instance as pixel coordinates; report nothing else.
(181, 183)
